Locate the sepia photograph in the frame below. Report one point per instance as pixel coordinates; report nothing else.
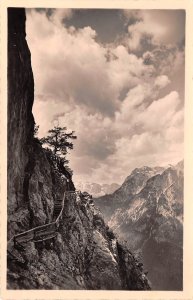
(95, 149)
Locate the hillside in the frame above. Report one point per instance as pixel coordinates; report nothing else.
(147, 211)
(57, 239)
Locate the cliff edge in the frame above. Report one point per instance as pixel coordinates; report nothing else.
(83, 253)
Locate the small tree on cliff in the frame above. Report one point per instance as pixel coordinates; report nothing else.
(58, 141)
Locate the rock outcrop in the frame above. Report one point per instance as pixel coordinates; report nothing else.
(147, 211)
(84, 254)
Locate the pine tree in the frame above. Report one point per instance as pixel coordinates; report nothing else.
(58, 141)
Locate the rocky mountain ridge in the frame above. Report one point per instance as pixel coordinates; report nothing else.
(131, 186)
(84, 254)
(96, 189)
(147, 211)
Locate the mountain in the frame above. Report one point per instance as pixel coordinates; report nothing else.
(57, 238)
(147, 212)
(96, 189)
(131, 186)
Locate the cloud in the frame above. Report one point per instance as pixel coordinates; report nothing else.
(166, 108)
(159, 26)
(166, 59)
(115, 151)
(58, 16)
(46, 110)
(162, 81)
(146, 27)
(159, 138)
(76, 67)
(124, 108)
(95, 133)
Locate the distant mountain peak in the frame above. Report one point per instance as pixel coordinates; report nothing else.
(147, 211)
(96, 189)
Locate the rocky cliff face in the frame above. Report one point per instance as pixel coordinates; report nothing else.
(147, 211)
(84, 254)
(20, 101)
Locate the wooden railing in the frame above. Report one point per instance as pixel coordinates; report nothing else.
(39, 233)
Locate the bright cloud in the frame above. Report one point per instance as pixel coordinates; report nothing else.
(159, 26)
(162, 81)
(119, 104)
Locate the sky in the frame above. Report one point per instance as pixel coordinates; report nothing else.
(116, 78)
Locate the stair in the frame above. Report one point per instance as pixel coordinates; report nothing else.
(37, 234)
(57, 207)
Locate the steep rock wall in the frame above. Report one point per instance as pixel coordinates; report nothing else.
(84, 254)
(20, 101)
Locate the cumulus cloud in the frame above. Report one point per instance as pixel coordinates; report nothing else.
(167, 60)
(58, 16)
(76, 67)
(160, 26)
(145, 27)
(159, 113)
(162, 81)
(108, 95)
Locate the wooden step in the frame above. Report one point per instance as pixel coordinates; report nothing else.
(39, 233)
(45, 237)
